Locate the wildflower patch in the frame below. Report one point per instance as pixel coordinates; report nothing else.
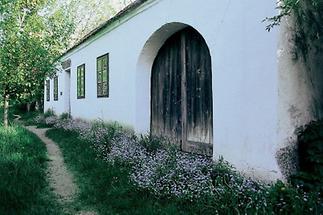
(161, 169)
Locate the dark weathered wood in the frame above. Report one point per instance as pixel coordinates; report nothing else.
(47, 90)
(181, 92)
(166, 91)
(199, 89)
(184, 93)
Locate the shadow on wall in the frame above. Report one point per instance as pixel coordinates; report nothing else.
(303, 76)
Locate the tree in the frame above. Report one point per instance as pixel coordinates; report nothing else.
(308, 16)
(89, 14)
(32, 36)
(34, 33)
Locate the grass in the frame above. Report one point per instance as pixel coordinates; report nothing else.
(107, 187)
(24, 189)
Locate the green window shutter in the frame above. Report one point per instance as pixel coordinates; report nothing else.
(55, 88)
(103, 76)
(81, 81)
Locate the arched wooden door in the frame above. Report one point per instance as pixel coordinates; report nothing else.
(181, 92)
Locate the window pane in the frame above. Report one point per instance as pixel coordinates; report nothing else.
(99, 76)
(55, 88)
(81, 81)
(99, 89)
(105, 88)
(102, 75)
(99, 64)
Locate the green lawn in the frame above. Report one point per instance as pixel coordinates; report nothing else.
(23, 185)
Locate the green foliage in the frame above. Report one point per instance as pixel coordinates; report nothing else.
(64, 116)
(28, 118)
(308, 23)
(106, 132)
(33, 35)
(286, 8)
(24, 188)
(289, 200)
(310, 153)
(151, 143)
(49, 112)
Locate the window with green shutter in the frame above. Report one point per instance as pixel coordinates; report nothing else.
(81, 81)
(47, 90)
(55, 88)
(102, 71)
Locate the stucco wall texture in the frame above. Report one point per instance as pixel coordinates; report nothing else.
(259, 94)
(300, 86)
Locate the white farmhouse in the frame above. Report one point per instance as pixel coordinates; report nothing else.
(205, 73)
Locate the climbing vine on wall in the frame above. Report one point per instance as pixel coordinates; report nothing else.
(308, 15)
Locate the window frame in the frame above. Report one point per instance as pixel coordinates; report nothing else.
(55, 87)
(104, 93)
(47, 84)
(80, 95)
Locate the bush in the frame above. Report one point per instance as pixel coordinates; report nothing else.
(64, 116)
(310, 154)
(49, 113)
(51, 120)
(285, 199)
(151, 143)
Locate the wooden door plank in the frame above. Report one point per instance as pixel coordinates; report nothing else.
(183, 92)
(199, 94)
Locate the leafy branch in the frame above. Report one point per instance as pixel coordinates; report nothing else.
(308, 28)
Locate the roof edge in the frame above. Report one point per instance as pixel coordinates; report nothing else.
(127, 10)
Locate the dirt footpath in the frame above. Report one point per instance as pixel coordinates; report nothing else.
(61, 180)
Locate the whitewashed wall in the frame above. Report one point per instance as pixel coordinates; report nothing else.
(59, 105)
(244, 64)
(300, 90)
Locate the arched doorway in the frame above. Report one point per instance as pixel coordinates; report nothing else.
(181, 92)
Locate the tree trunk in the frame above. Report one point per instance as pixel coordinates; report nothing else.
(28, 107)
(5, 110)
(37, 106)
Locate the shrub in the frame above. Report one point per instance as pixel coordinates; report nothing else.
(151, 143)
(51, 120)
(49, 112)
(64, 116)
(285, 199)
(40, 119)
(310, 154)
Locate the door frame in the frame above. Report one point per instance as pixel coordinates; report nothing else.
(68, 90)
